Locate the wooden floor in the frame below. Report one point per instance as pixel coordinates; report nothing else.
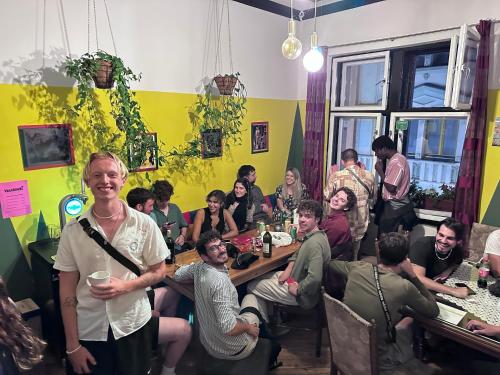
(298, 357)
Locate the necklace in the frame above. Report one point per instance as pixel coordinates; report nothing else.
(446, 257)
(105, 217)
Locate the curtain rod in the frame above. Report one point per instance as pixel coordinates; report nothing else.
(391, 38)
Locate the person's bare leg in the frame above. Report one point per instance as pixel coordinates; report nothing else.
(174, 334)
(166, 300)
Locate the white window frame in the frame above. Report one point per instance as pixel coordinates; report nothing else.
(419, 115)
(331, 132)
(468, 36)
(337, 63)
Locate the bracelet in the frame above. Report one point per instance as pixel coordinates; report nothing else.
(74, 350)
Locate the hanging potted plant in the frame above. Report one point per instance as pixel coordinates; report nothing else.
(226, 83)
(88, 71)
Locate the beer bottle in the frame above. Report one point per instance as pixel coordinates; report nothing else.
(484, 271)
(267, 248)
(171, 247)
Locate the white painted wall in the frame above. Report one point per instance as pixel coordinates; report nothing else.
(165, 40)
(393, 18)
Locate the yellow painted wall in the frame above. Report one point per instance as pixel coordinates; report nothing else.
(164, 113)
(491, 174)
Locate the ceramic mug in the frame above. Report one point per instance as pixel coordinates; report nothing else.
(99, 277)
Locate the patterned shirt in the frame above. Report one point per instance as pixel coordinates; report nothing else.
(397, 173)
(359, 215)
(217, 308)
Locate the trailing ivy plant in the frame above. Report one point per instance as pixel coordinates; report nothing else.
(129, 142)
(213, 111)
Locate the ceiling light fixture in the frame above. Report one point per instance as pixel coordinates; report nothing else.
(313, 60)
(291, 47)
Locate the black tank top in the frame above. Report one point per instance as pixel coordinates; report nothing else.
(207, 223)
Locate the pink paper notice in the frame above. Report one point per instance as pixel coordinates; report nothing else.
(14, 198)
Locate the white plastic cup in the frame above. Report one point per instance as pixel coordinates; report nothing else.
(99, 277)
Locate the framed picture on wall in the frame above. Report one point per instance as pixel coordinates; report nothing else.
(260, 137)
(211, 143)
(151, 158)
(46, 146)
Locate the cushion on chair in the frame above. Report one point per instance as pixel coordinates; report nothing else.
(352, 339)
(256, 364)
(477, 241)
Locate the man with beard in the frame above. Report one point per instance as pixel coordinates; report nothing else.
(435, 258)
(261, 208)
(225, 332)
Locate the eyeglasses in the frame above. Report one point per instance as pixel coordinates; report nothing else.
(215, 248)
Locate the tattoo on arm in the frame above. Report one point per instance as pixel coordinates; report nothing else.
(70, 302)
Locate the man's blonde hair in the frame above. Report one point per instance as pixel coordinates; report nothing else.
(104, 155)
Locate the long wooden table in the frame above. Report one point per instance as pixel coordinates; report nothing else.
(457, 333)
(482, 306)
(258, 268)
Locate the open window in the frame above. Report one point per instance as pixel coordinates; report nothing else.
(357, 131)
(432, 143)
(465, 68)
(360, 82)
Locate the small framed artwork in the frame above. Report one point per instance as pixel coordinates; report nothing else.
(260, 137)
(211, 143)
(151, 160)
(46, 146)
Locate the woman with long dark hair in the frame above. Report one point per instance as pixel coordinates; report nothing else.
(20, 348)
(239, 204)
(214, 217)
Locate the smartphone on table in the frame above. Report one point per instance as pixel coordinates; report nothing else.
(463, 285)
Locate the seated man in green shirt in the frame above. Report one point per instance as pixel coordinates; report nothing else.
(400, 287)
(300, 283)
(168, 216)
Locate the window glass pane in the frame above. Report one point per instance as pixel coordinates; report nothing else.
(357, 133)
(434, 149)
(430, 80)
(362, 83)
(468, 74)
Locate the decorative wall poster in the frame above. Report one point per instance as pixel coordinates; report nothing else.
(211, 143)
(260, 137)
(496, 132)
(46, 146)
(14, 198)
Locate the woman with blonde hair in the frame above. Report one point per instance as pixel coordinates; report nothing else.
(20, 348)
(289, 194)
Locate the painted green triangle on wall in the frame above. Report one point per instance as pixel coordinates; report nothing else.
(14, 267)
(296, 151)
(492, 216)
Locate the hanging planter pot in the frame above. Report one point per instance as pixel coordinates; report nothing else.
(226, 83)
(103, 78)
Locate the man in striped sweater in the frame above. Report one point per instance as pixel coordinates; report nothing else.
(225, 333)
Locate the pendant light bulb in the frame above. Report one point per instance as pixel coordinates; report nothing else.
(291, 47)
(313, 60)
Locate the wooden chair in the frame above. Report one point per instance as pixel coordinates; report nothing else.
(316, 315)
(353, 345)
(477, 241)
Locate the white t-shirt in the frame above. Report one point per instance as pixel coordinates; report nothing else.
(140, 240)
(493, 243)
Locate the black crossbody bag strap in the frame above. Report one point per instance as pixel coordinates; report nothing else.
(370, 193)
(112, 252)
(391, 330)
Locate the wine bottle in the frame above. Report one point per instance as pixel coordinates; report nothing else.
(171, 247)
(267, 248)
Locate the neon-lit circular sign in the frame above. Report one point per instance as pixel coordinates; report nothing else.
(74, 206)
